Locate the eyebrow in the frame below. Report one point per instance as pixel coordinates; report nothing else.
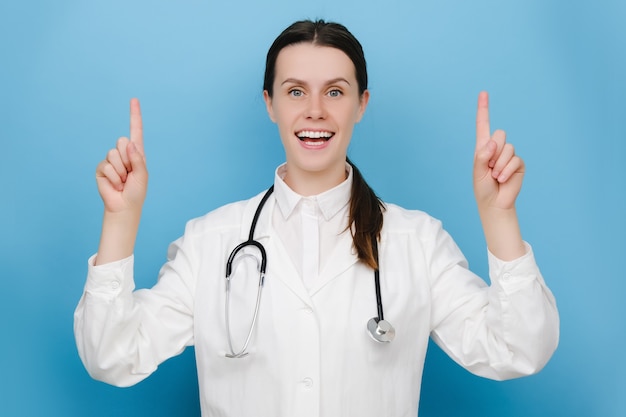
(329, 82)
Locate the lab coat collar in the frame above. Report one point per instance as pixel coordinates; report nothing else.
(341, 260)
(329, 202)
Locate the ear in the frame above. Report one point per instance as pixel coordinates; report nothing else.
(365, 98)
(268, 105)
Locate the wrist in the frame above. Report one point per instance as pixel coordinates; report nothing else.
(502, 233)
(119, 232)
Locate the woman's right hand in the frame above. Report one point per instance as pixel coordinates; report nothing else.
(122, 183)
(122, 177)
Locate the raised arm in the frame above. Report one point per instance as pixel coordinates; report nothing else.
(498, 175)
(122, 180)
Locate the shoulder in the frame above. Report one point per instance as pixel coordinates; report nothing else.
(412, 229)
(226, 218)
(401, 220)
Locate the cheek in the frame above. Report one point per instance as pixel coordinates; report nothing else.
(349, 117)
(284, 115)
(347, 113)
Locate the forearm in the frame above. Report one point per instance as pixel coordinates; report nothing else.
(502, 233)
(503, 331)
(106, 325)
(117, 240)
(122, 335)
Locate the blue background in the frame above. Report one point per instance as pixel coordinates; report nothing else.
(555, 71)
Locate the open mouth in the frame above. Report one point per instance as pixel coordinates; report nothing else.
(314, 137)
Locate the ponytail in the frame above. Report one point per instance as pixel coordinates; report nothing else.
(365, 219)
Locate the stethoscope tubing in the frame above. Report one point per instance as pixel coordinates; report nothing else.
(242, 352)
(379, 297)
(261, 268)
(379, 329)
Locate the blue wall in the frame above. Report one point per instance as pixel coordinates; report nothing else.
(555, 71)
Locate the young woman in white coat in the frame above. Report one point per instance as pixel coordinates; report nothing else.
(315, 342)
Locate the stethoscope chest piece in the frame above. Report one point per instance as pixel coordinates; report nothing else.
(380, 330)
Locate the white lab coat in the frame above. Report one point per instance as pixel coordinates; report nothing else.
(310, 354)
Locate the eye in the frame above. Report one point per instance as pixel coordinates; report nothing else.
(335, 93)
(294, 92)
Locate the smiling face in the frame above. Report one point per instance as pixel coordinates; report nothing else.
(315, 103)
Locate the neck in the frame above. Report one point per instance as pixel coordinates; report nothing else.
(307, 183)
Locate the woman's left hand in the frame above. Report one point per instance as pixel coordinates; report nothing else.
(498, 172)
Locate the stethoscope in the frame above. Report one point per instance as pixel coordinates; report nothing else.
(378, 328)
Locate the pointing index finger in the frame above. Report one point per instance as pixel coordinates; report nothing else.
(136, 124)
(483, 134)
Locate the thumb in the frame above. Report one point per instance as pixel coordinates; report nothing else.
(137, 163)
(482, 159)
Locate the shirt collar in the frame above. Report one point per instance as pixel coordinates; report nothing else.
(330, 202)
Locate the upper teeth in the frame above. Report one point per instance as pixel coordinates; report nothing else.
(314, 134)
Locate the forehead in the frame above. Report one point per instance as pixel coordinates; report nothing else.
(309, 62)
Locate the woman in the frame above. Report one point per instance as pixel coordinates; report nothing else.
(306, 351)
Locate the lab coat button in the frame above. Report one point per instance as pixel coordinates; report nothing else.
(115, 285)
(308, 310)
(506, 276)
(308, 382)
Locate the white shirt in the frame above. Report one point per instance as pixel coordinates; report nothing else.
(308, 227)
(310, 354)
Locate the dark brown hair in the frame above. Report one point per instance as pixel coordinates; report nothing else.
(366, 209)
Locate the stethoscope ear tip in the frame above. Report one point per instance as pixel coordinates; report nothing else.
(380, 330)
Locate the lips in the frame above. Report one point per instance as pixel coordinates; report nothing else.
(314, 137)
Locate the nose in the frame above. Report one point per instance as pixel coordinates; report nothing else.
(315, 108)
